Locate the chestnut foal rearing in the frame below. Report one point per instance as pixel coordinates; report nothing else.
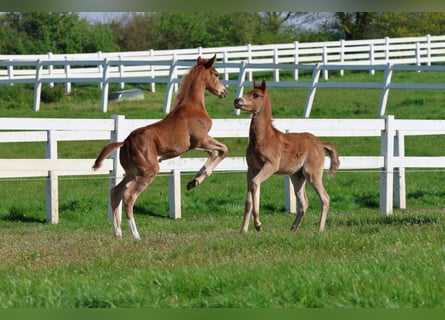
(186, 127)
(270, 151)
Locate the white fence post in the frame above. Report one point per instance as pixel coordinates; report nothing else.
(311, 91)
(152, 70)
(296, 60)
(37, 86)
(121, 73)
(50, 69)
(67, 75)
(428, 49)
(105, 86)
(399, 173)
(325, 62)
(276, 70)
(342, 56)
(387, 174)
(371, 58)
(385, 90)
(52, 183)
(170, 86)
(174, 194)
(118, 172)
(240, 86)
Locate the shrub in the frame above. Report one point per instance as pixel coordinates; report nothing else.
(52, 94)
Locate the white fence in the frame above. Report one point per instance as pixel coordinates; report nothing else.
(167, 66)
(391, 161)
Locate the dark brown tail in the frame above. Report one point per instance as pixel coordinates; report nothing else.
(105, 152)
(333, 154)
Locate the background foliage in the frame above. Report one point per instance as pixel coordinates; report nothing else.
(67, 32)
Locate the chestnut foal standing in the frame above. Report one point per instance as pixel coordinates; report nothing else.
(186, 127)
(270, 151)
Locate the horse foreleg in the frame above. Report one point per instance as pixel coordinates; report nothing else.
(253, 185)
(217, 152)
(248, 206)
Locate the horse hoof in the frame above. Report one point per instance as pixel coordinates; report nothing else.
(192, 184)
(258, 228)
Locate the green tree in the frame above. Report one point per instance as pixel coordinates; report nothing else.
(57, 32)
(367, 25)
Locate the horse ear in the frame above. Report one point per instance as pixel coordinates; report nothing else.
(198, 60)
(263, 84)
(210, 62)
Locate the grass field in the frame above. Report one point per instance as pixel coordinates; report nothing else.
(363, 259)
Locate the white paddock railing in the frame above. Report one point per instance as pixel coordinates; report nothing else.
(167, 66)
(391, 162)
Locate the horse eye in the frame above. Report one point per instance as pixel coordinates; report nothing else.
(255, 95)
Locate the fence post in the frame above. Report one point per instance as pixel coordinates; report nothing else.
(342, 55)
(174, 194)
(428, 49)
(276, 70)
(67, 72)
(240, 86)
(387, 174)
(311, 91)
(399, 173)
(152, 73)
(296, 59)
(117, 173)
(325, 62)
(37, 86)
(371, 58)
(121, 73)
(10, 71)
(225, 60)
(170, 86)
(52, 183)
(249, 59)
(105, 86)
(387, 50)
(385, 90)
(50, 69)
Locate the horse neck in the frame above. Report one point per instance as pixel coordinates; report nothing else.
(261, 124)
(191, 93)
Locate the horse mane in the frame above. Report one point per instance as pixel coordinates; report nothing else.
(185, 85)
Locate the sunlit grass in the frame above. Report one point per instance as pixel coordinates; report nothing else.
(363, 259)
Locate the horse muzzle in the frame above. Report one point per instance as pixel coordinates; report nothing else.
(238, 103)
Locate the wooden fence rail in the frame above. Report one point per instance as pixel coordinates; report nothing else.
(391, 161)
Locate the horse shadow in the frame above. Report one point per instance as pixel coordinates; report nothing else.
(18, 215)
(147, 210)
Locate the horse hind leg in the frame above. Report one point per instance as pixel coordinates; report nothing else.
(116, 194)
(299, 183)
(317, 184)
(130, 196)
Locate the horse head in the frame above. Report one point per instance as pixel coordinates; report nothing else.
(254, 100)
(211, 77)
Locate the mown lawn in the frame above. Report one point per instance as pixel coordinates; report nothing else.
(363, 259)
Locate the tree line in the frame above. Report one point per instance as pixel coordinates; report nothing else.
(67, 32)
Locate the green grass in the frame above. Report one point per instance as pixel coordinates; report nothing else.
(363, 259)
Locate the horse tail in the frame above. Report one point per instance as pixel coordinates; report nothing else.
(333, 154)
(105, 152)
